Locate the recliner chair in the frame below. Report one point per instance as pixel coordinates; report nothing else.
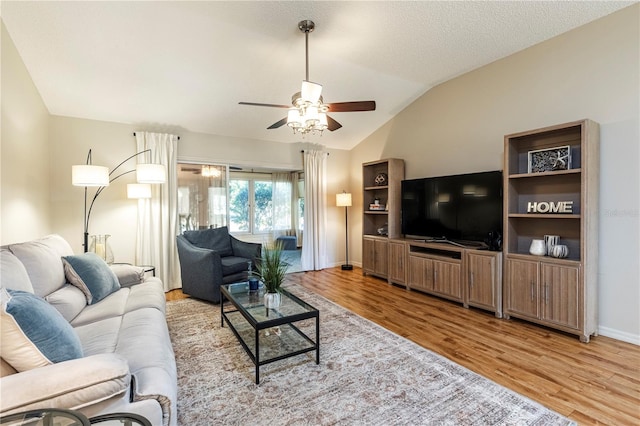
(212, 257)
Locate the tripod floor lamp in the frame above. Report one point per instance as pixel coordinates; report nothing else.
(98, 176)
(344, 200)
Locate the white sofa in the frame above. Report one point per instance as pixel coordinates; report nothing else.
(126, 363)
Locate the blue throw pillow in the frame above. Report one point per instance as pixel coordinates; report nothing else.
(91, 274)
(34, 333)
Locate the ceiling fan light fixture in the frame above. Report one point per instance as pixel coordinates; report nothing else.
(311, 116)
(294, 120)
(322, 121)
(309, 112)
(311, 91)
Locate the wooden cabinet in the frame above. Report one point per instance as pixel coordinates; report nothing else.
(381, 213)
(558, 198)
(435, 270)
(484, 280)
(470, 276)
(560, 295)
(522, 287)
(375, 256)
(397, 262)
(446, 279)
(420, 273)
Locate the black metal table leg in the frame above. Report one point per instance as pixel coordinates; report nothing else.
(257, 356)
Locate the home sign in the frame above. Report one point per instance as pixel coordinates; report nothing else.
(550, 207)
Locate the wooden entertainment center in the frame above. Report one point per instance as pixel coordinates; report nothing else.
(559, 293)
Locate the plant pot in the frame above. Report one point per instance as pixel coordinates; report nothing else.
(272, 300)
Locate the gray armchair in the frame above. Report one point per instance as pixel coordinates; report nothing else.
(211, 257)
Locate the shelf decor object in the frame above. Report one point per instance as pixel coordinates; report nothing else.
(88, 175)
(551, 182)
(381, 179)
(550, 159)
(344, 200)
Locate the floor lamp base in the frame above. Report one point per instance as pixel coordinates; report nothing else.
(347, 267)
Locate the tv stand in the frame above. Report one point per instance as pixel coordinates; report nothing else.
(455, 271)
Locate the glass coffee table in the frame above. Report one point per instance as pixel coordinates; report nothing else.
(269, 334)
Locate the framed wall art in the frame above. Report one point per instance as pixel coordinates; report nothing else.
(550, 159)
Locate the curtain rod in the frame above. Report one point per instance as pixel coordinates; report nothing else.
(134, 133)
(302, 151)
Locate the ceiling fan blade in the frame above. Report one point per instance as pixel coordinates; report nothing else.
(332, 124)
(264, 105)
(278, 124)
(352, 106)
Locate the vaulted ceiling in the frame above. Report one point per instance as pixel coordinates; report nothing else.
(186, 65)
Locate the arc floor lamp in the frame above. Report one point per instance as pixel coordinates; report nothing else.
(88, 175)
(344, 200)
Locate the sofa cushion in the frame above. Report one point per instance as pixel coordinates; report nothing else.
(216, 239)
(41, 259)
(91, 274)
(233, 265)
(68, 300)
(13, 275)
(128, 275)
(34, 334)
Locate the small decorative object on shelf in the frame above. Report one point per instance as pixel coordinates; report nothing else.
(537, 248)
(560, 251)
(381, 179)
(384, 230)
(550, 241)
(550, 159)
(550, 207)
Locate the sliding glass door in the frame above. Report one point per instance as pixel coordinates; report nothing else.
(259, 206)
(202, 196)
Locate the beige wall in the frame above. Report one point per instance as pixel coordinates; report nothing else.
(114, 214)
(591, 72)
(24, 153)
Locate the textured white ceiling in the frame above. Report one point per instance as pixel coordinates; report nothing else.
(186, 65)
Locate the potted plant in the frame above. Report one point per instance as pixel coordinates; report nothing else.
(271, 272)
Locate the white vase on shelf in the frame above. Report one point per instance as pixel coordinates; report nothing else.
(537, 247)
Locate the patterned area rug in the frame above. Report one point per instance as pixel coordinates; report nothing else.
(367, 376)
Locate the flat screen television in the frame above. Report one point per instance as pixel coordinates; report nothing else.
(462, 209)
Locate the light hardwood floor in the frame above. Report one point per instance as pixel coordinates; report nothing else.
(592, 383)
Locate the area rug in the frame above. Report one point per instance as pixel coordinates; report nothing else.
(367, 376)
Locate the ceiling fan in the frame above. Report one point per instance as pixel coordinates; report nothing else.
(308, 112)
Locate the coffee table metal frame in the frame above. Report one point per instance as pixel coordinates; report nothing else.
(275, 319)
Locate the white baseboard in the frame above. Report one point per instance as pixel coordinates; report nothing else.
(619, 335)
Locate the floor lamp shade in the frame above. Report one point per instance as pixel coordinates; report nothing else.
(344, 200)
(89, 175)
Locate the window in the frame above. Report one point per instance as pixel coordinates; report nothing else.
(251, 207)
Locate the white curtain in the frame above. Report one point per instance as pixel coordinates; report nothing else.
(295, 207)
(158, 216)
(314, 252)
(281, 203)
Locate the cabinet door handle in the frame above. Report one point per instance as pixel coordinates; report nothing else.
(546, 293)
(532, 291)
